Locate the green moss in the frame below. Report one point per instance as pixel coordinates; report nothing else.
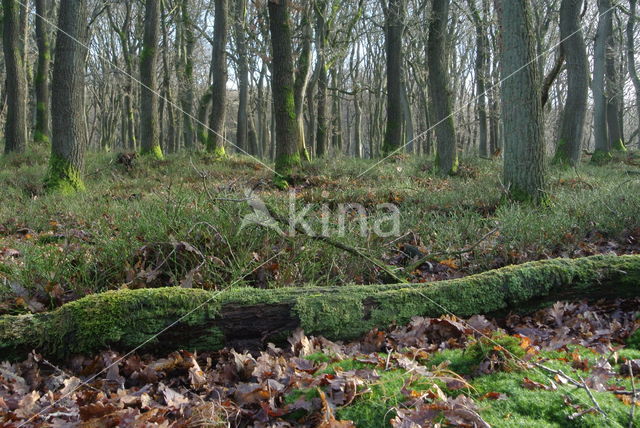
(561, 157)
(523, 287)
(155, 152)
(146, 53)
(633, 341)
(125, 319)
(63, 177)
(290, 103)
(40, 137)
(619, 146)
(285, 165)
(518, 194)
(601, 157)
(542, 408)
(215, 147)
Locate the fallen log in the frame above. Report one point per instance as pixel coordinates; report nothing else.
(247, 318)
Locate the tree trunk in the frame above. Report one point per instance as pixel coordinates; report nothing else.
(322, 135)
(481, 75)
(631, 56)
(602, 152)
(407, 119)
(243, 75)
(215, 141)
(42, 132)
(440, 91)
(67, 100)
(149, 105)
(614, 95)
(302, 77)
(247, 318)
(569, 149)
(521, 105)
(394, 27)
(204, 108)
(170, 141)
(287, 130)
(15, 136)
(187, 95)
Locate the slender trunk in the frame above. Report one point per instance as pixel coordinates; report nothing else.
(603, 149)
(302, 77)
(16, 84)
(481, 75)
(408, 119)
(187, 95)
(171, 141)
(569, 147)
(215, 141)
(394, 27)
(203, 112)
(614, 96)
(149, 121)
(243, 75)
(631, 55)
(322, 135)
(42, 132)
(440, 91)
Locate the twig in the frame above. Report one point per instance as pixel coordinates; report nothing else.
(582, 413)
(427, 258)
(593, 399)
(349, 249)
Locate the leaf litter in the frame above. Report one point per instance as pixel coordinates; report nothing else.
(306, 383)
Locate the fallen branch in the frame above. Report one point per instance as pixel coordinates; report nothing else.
(334, 243)
(467, 250)
(247, 318)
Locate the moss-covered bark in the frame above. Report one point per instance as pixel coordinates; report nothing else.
(246, 318)
(63, 176)
(601, 157)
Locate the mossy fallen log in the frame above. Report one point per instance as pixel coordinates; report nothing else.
(247, 318)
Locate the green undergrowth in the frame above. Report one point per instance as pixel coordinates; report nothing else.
(90, 241)
(518, 406)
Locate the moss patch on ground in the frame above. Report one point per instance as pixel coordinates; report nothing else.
(518, 405)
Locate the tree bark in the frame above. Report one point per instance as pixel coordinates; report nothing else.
(569, 149)
(322, 134)
(615, 99)
(287, 130)
(67, 101)
(602, 152)
(15, 135)
(247, 318)
(482, 45)
(302, 76)
(242, 129)
(187, 91)
(394, 27)
(215, 141)
(521, 105)
(440, 91)
(149, 104)
(631, 54)
(42, 132)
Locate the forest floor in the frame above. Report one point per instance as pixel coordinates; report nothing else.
(179, 222)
